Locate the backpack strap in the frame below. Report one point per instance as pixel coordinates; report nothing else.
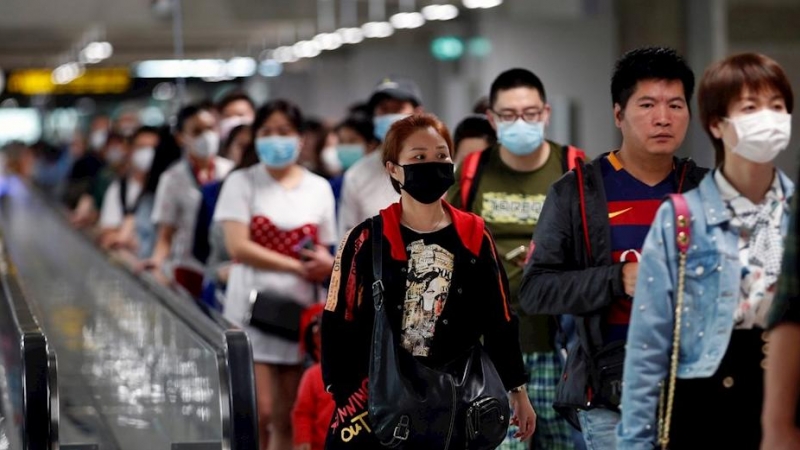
(123, 196)
(472, 168)
(377, 261)
(570, 157)
(579, 171)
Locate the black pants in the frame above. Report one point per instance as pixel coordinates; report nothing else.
(723, 411)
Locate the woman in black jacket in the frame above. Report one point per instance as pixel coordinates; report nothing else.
(445, 289)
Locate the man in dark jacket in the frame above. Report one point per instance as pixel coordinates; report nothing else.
(593, 224)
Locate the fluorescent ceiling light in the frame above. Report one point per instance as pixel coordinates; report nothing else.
(270, 68)
(481, 4)
(241, 67)
(66, 73)
(284, 55)
(377, 29)
(440, 12)
(306, 49)
(407, 20)
(351, 35)
(96, 52)
(329, 41)
(212, 69)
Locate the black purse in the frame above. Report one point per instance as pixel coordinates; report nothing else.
(462, 405)
(275, 314)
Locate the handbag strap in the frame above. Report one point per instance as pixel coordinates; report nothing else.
(377, 262)
(682, 240)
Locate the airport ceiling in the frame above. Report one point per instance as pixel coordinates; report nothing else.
(42, 33)
(47, 33)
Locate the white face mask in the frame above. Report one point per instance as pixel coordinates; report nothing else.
(142, 159)
(330, 161)
(761, 135)
(98, 139)
(204, 146)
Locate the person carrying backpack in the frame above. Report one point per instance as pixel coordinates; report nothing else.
(506, 185)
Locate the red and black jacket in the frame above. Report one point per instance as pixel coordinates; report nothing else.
(477, 304)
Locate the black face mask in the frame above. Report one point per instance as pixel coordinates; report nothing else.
(427, 182)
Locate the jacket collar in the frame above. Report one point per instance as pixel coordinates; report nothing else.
(468, 226)
(714, 207)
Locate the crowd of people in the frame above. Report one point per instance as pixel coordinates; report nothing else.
(613, 318)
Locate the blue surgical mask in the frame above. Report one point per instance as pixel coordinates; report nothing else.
(349, 154)
(383, 123)
(278, 152)
(520, 137)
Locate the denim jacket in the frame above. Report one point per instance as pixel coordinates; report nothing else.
(711, 295)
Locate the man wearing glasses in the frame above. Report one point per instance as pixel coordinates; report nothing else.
(506, 185)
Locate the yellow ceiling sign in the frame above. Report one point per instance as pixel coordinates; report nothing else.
(93, 81)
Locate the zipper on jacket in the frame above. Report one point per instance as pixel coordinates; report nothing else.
(452, 414)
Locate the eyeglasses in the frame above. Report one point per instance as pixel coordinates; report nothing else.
(530, 115)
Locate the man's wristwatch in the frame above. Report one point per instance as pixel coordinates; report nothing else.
(519, 388)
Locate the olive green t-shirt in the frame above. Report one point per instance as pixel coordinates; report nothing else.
(510, 202)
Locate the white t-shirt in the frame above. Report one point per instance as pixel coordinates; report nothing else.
(112, 214)
(252, 196)
(366, 190)
(177, 204)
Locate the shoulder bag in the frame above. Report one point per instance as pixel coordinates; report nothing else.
(667, 396)
(412, 406)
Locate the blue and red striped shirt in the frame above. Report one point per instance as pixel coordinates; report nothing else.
(632, 206)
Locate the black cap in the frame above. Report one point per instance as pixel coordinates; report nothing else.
(395, 88)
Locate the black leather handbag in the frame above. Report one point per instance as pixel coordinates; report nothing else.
(275, 314)
(412, 406)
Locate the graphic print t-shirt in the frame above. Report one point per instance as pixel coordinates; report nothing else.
(510, 202)
(428, 277)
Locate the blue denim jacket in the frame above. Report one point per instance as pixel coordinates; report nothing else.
(711, 295)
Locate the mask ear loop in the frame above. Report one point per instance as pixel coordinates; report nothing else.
(399, 184)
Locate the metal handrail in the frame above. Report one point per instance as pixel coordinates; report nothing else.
(231, 344)
(39, 368)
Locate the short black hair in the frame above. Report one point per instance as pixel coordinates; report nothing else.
(361, 124)
(649, 63)
(515, 78)
(360, 109)
(187, 112)
(142, 130)
(235, 96)
(474, 126)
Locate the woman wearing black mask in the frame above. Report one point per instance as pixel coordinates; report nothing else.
(444, 287)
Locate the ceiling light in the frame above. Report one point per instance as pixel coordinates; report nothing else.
(96, 52)
(407, 20)
(306, 49)
(440, 12)
(377, 29)
(351, 35)
(481, 4)
(241, 67)
(284, 55)
(329, 41)
(211, 69)
(66, 73)
(270, 68)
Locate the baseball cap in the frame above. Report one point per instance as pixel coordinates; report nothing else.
(396, 88)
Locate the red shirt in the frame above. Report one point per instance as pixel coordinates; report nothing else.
(313, 410)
